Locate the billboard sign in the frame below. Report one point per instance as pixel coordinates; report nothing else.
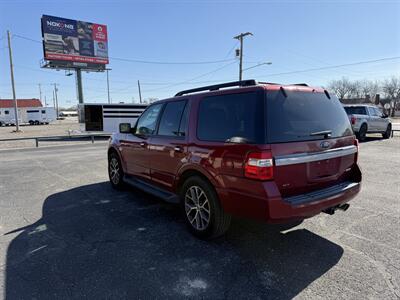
(74, 41)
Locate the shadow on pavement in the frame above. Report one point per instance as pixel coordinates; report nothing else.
(97, 243)
(373, 138)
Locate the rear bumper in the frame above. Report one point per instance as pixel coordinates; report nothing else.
(311, 204)
(271, 207)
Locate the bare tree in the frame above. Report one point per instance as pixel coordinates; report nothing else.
(369, 88)
(391, 88)
(355, 89)
(342, 87)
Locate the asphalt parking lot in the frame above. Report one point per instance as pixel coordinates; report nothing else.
(65, 234)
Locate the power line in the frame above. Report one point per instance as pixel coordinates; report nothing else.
(194, 78)
(146, 61)
(170, 62)
(233, 48)
(26, 38)
(333, 66)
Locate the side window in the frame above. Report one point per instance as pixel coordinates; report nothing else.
(43, 111)
(147, 122)
(233, 115)
(171, 118)
(372, 111)
(6, 112)
(378, 112)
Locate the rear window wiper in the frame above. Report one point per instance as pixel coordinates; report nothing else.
(325, 133)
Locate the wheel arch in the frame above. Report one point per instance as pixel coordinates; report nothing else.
(113, 149)
(190, 171)
(364, 122)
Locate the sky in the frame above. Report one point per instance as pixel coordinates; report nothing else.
(304, 41)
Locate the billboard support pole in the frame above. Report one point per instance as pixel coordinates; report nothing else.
(79, 85)
(12, 82)
(108, 87)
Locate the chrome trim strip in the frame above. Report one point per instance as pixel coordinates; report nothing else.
(300, 158)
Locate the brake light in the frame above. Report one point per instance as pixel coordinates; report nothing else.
(358, 149)
(259, 165)
(353, 120)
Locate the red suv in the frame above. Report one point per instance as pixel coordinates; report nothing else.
(278, 153)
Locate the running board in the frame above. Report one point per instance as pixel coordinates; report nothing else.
(151, 189)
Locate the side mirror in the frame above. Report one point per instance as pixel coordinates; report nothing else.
(125, 128)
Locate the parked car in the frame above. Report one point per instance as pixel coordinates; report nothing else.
(277, 153)
(368, 119)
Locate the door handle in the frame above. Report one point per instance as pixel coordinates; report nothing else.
(178, 149)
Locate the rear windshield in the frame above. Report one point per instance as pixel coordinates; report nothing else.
(354, 110)
(302, 115)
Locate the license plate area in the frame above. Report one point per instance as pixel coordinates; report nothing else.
(323, 169)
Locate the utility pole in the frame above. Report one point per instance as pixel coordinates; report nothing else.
(12, 82)
(240, 38)
(140, 93)
(55, 93)
(40, 93)
(108, 87)
(54, 100)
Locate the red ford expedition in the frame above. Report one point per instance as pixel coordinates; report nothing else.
(278, 153)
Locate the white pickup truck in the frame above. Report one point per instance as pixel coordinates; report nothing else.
(366, 118)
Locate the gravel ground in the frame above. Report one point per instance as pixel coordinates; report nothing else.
(65, 234)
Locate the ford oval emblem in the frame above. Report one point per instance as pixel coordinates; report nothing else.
(325, 144)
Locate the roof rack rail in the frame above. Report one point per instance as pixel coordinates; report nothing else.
(274, 83)
(216, 87)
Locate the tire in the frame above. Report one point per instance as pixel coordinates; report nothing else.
(115, 172)
(198, 197)
(36, 122)
(388, 132)
(362, 133)
(31, 122)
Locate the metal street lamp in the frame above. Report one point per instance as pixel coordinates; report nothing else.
(260, 64)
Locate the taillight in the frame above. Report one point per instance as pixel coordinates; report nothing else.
(259, 165)
(353, 120)
(358, 149)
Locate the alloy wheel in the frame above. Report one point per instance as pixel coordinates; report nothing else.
(114, 170)
(197, 208)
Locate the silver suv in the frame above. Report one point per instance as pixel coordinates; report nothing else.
(366, 118)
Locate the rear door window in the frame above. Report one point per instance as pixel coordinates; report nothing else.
(223, 117)
(171, 119)
(300, 115)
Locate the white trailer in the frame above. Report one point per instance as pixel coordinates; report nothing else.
(7, 116)
(28, 115)
(107, 117)
(49, 115)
